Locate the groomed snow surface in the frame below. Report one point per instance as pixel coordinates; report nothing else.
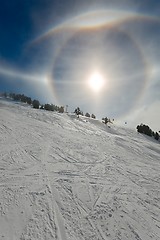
(71, 179)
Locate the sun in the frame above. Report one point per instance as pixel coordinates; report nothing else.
(96, 82)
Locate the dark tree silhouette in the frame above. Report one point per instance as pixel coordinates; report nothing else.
(35, 104)
(87, 115)
(146, 130)
(156, 136)
(61, 109)
(78, 112)
(93, 116)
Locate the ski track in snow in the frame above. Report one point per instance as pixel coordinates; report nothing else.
(70, 179)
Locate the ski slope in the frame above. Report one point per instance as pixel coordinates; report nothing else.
(75, 179)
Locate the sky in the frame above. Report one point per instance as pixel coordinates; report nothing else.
(100, 55)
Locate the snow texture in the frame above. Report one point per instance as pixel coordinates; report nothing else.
(75, 179)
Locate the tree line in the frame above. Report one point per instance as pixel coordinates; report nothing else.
(49, 107)
(35, 103)
(145, 129)
(105, 120)
(78, 112)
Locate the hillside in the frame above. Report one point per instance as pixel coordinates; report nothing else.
(70, 179)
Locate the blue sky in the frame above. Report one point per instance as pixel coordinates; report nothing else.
(49, 50)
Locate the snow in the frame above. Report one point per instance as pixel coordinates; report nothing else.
(75, 179)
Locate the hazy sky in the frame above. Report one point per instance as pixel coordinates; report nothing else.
(59, 52)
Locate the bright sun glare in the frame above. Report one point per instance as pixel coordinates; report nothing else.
(96, 82)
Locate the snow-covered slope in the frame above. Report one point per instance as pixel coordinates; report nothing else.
(71, 179)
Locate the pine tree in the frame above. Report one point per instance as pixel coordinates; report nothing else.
(35, 104)
(87, 115)
(156, 136)
(93, 116)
